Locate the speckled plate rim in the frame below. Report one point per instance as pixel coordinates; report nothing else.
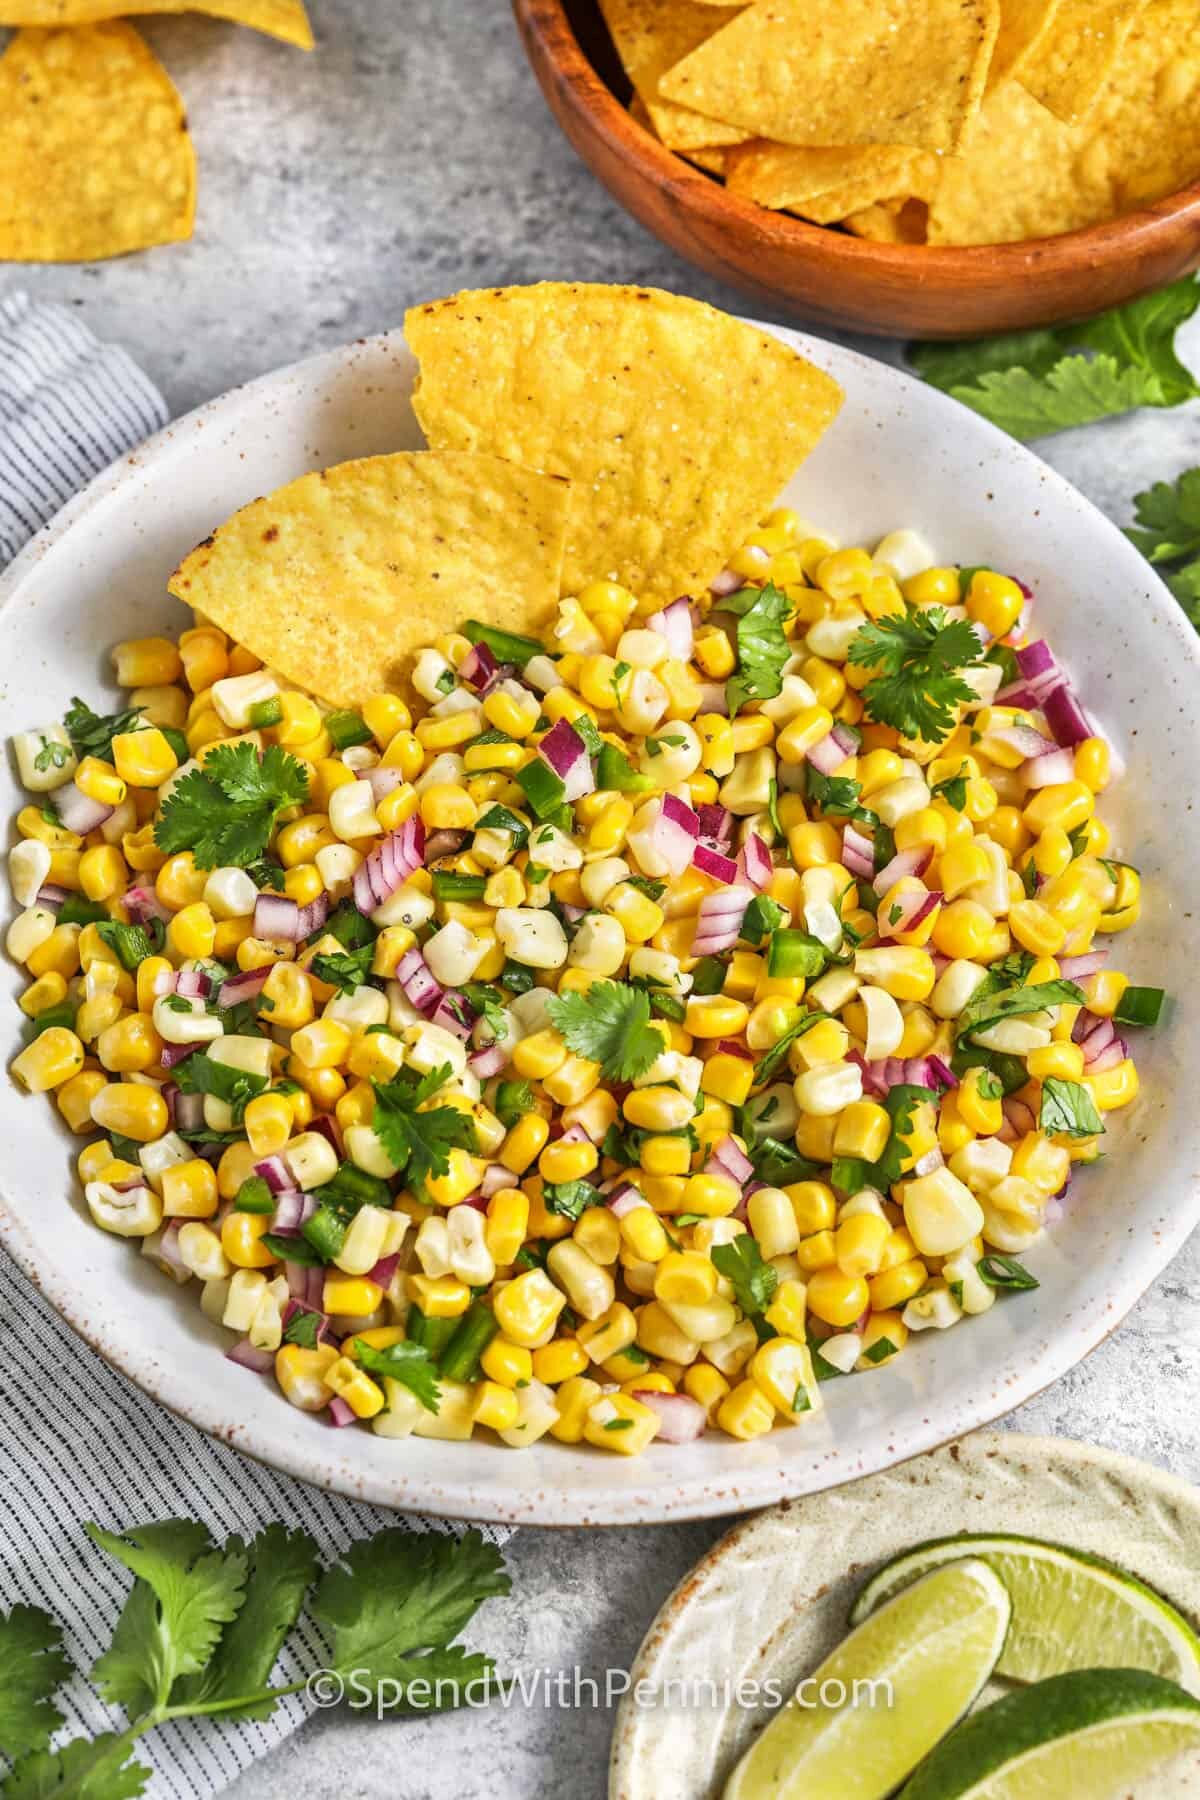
(1113, 1505)
(551, 1484)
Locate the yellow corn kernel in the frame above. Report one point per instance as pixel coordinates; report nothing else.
(666, 1156)
(638, 916)
(643, 1232)
(146, 662)
(527, 1308)
(496, 1406)
(322, 1045)
(932, 587)
(1036, 929)
(1104, 992)
(93, 1158)
(706, 1386)
(189, 1190)
(574, 1400)
(48, 990)
(978, 1103)
(995, 601)
(301, 1375)
(241, 1239)
(745, 1412)
(509, 1365)
(713, 1196)
(557, 1362)
(205, 657)
(836, 1297)
(446, 806)
(960, 865)
(782, 1370)
(814, 1136)
(132, 1109)
(289, 991)
(896, 1287)
(859, 1243)
(191, 932)
(267, 1123)
(1093, 764)
(862, 1130)
(506, 1225)
(685, 1276)
(363, 1396)
(54, 1057)
(728, 1077)
(1066, 804)
(539, 1055)
(523, 1143)
(658, 1108)
(619, 1422)
(1064, 1061)
(143, 759)
(179, 882)
(567, 1161)
(57, 955)
(132, 1044)
(716, 1016)
(884, 1336)
(74, 1098)
(542, 1222)
(99, 781)
(102, 872)
(385, 715)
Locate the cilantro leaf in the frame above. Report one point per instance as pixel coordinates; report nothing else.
(225, 812)
(418, 1141)
(838, 796)
(753, 1280)
(488, 1003)
(200, 1074)
(1168, 534)
(85, 1769)
(345, 971)
(1077, 391)
(761, 917)
(409, 1364)
(184, 1593)
(91, 734)
(1069, 1109)
(395, 1601)
(281, 1566)
(32, 1663)
(954, 790)
(570, 1199)
(513, 1100)
(501, 818)
(773, 1060)
(610, 1024)
(762, 647)
(919, 654)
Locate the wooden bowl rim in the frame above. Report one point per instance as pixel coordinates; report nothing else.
(1094, 246)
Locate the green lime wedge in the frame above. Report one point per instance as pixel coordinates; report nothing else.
(1070, 1611)
(1089, 1735)
(862, 1721)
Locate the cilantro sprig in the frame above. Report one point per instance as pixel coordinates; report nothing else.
(92, 733)
(610, 1024)
(418, 1137)
(752, 1279)
(203, 1627)
(918, 655)
(1032, 383)
(225, 812)
(1167, 533)
(761, 614)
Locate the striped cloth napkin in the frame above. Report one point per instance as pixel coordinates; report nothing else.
(84, 1443)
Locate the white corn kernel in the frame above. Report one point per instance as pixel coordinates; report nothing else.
(470, 1259)
(748, 788)
(453, 954)
(364, 1007)
(905, 552)
(246, 1289)
(28, 868)
(900, 798)
(982, 1163)
(252, 1055)
(135, 1212)
(311, 1159)
(166, 1152)
(230, 894)
(831, 638)
(366, 1152)
(364, 1241)
(955, 986)
(537, 1411)
(432, 1246)
(828, 1088)
(966, 1284)
(428, 1046)
(352, 811)
(794, 696)
(599, 878)
(429, 675)
(233, 697)
(941, 1213)
(29, 931)
(532, 937)
(932, 1311)
(174, 1025)
(885, 1023)
(336, 865)
(266, 1327)
(598, 946)
(58, 764)
(554, 850)
(843, 1350)
(835, 989)
(200, 1248)
(407, 906)
(644, 701)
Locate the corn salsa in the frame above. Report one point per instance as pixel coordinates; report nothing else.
(640, 1030)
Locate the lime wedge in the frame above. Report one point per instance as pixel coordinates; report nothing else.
(1090, 1735)
(881, 1701)
(1070, 1611)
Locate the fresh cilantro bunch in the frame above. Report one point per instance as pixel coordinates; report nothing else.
(225, 812)
(1032, 383)
(761, 614)
(919, 655)
(610, 1024)
(203, 1627)
(1168, 534)
(417, 1137)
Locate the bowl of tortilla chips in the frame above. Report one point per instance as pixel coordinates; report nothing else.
(945, 168)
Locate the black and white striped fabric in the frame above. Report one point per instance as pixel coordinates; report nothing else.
(82, 1442)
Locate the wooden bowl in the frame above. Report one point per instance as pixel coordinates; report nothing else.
(820, 274)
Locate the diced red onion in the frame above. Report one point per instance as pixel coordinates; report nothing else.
(248, 1356)
(845, 740)
(674, 833)
(276, 918)
(1023, 739)
(78, 811)
(314, 915)
(827, 755)
(478, 668)
(297, 1308)
(1020, 695)
(715, 823)
(1065, 716)
(1108, 1058)
(858, 853)
(625, 1199)
(143, 904)
(719, 920)
(488, 1062)
(454, 1013)
(476, 1202)
(326, 1126)
(573, 914)
(390, 864)
(728, 1158)
(168, 1248)
(248, 984)
(757, 860)
(292, 1209)
(727, 582)
(674, 623)
(872, 1074)
(680, 1418)
(194, 984)
(341, 1413)
(297, 1276)
(915, 907)
(51, 896)
(187, 1110)
(712, 862)
(420, 988)
(905, 862)
(1019, 1115)
(384, 1271)
(1078, 968)
(1036, 659)
(383, 780)
(938, 1073)
(565, 753)
(1045, 771)
(274, 1171)
(176, 1053)
(496, 1178)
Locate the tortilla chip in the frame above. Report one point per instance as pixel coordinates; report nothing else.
(896, 221)
(835, 72)
(1026, 174)
(95, 157)
(1070, 63)
(651, 36)
(676, 424)
(824, 185)
(1022, 23)
(284, 19)
(711, 161)
(335, 578)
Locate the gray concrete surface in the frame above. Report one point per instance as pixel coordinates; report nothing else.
(410, 156)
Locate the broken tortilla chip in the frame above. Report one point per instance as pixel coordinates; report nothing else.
(711, 161)
(825, 185)
(1070, 63)
(676, 424)
(95, 156)
(335, 578)
(835, 72)
(1027, 174)
(1022, 23)
(897, 221)
(651, 36)
(284, 19)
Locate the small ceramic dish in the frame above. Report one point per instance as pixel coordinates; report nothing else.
(771, 1599)
(821, 275)
(900, 453)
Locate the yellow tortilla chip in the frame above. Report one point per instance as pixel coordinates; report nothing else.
(651, 36)
(95, 157)
(896, 221)
(711, 161)
(1069, 64)
(835, 72)
(1026, 174)
(335, 578)
(284, 19)
(676, 424)
(824, 185)
(1022, 23)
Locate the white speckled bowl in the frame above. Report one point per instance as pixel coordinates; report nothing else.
(900, 454)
